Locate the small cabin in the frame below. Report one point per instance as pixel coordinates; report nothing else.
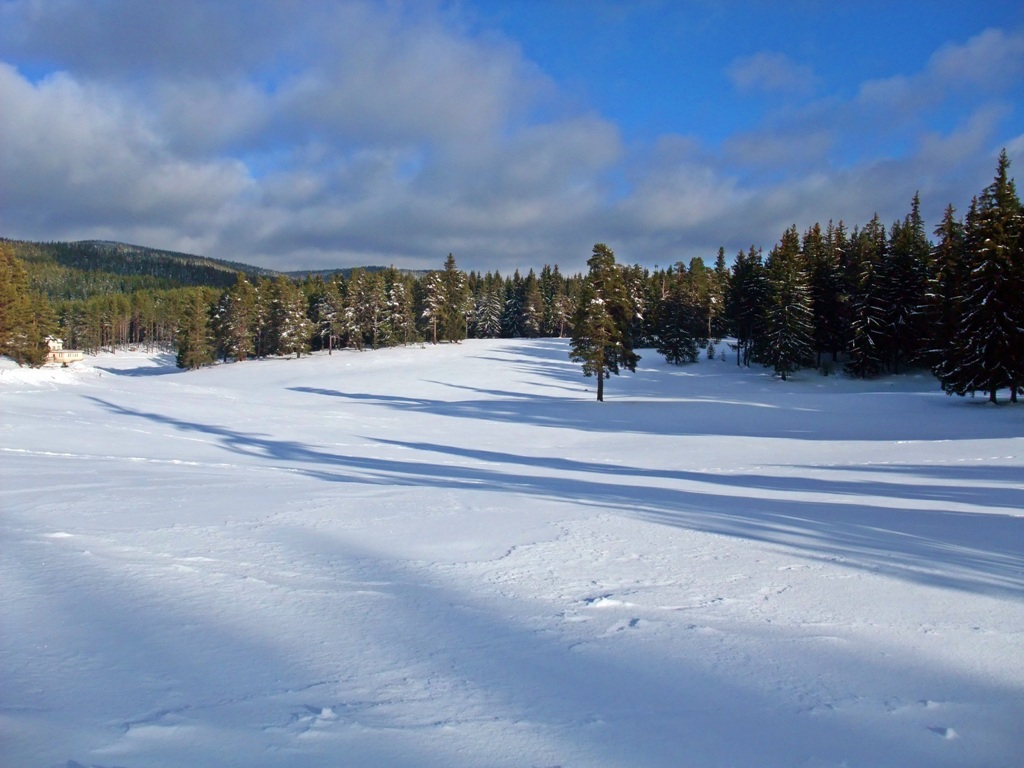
(60, 356)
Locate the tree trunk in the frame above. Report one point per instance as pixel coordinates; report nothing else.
(600, 386)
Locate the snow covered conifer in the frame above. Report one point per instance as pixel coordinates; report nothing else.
(868, 313)
(788, 319)
(676, 317)
(986, 353)
(904, 287)
(489, 307)
(945, 290)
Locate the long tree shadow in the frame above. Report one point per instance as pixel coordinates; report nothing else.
(947, 548)
(914, 417)
(1007, 493)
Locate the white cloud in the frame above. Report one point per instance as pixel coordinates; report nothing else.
(993, 60)
(771, 73)
(71, 152)
(990, 62)
(383, 133)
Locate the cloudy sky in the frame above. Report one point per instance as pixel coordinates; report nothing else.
(302, 134)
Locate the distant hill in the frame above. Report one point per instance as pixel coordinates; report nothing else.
(346, 272)
(84, 268)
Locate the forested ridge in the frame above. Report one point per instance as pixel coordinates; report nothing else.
(869, 300)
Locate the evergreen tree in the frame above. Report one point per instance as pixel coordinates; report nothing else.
(489, 307)
(822, 254)
(400, 323)
(289, 328)
(563, 307)
(329, 307)
(25, 318)
(433, 304)
(533, 307)
(676, 317)
(552, 286)
(945, 289)
(512, 314)
(748, 292)
(365, 308)
(637, 281)
(987, 351)
(604, 315)
(720, 280)
(234, 320)
(869, 339)
(457, 306)
(787, 319)
(194, 339)
(905, 284)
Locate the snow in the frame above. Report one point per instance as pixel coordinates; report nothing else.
(454, 556)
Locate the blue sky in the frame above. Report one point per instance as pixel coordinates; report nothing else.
(323, 134)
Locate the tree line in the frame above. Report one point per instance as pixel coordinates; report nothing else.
(870, 300)
(874, 300)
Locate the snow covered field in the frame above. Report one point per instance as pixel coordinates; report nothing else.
(452, 556)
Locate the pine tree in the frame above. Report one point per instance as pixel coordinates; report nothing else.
(905, 284)
(987, 351)
(456, 307)
(600, 337)
(676, 317)
(552, 287)
(533, 307)
(25, 318)
(234, 320)
(400, 323)
(720, 280)
(512, 312)
(433, 303)
(787, 319)
(869, 338)
(748, 292)
(945, 289)
(194, 338)
(822, 253)
(563, 307)
(289, 328)
(490, 304)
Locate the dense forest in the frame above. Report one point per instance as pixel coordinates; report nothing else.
(870, 301)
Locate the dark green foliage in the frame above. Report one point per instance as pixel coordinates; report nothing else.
(905, 284)
(945, 287)
(194, 338)
(824, 255)
(26, 318)
(745, 302)
(986, 351)
(290, 330)
(601, 338)
(787, 319)
(877, 301)
(869, 337)
(676, 318)
(489, 307)
(234, 321)
(400, 321)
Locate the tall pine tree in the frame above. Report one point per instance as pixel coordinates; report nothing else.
(987, 351)
(788, 326)
(601, 328)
